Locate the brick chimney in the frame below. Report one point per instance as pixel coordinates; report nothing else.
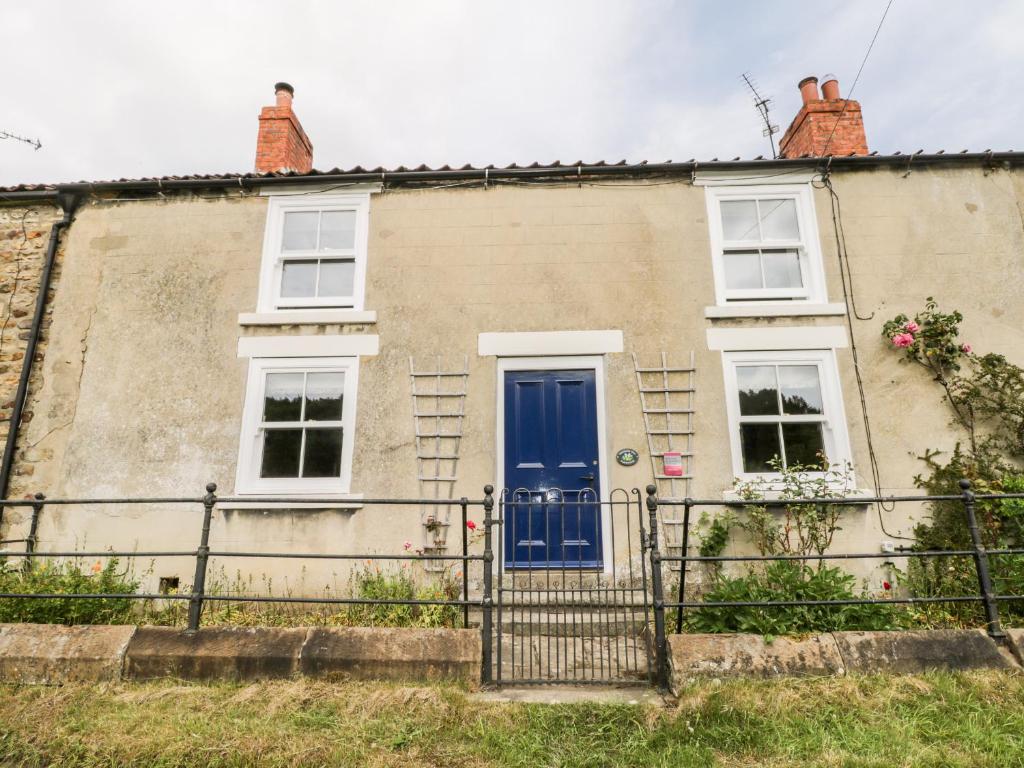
(809, 132)
(282, 145)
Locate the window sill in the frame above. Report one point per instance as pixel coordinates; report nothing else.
(309, 317)
(773, 310)
(348, 502)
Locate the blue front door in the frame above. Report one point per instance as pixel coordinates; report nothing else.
(552, 514)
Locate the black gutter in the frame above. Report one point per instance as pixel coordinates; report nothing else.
(554, 172)
(68, 202)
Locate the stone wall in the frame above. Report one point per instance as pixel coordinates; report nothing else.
(24, 235)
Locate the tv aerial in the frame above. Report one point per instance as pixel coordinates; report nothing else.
(36, 143)
(762, 102)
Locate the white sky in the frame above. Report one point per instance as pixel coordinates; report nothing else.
(132, 89)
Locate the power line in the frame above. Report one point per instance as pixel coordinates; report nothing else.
(824, 151)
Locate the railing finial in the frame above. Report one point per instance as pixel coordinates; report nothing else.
(652, 497)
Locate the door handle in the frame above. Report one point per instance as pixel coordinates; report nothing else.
(589, 478)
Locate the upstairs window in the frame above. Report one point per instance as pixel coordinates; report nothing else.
(314, 253)
(765, 244)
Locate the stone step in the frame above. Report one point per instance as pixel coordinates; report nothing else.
(575, 600)
(572, 659)
(569, 580)
(557, 624)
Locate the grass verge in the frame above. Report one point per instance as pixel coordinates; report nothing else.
(930, 720)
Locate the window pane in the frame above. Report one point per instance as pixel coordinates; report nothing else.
(760, 444)
(298, 279)
(782, 269)
(739, 220)
(778, 220)
(300, 231)
(337, 229)
(742, 269)
(337, 278)
(281, 453)
(758, 393)
(324, 396)
(283, 397)
(801, 392)
(804, 444)
(323, 453)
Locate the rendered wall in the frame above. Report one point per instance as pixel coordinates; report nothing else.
(141, 391)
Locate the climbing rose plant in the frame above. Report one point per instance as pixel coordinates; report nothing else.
(985, 392)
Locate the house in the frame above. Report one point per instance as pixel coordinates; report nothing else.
(408, 333)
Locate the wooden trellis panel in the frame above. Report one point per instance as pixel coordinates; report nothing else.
(667, 392)
(439, 411)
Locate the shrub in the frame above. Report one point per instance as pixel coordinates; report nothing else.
(985, 394)
(777, 526)
(784, 580)
(66, 578)
(373, 583)
(715, 534)
(801, 529)
(369, 582)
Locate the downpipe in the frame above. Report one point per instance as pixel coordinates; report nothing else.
(68, 203)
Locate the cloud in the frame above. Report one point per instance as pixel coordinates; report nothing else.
(126, 89)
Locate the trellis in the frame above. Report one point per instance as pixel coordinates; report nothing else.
(439, 411)
(667, 401)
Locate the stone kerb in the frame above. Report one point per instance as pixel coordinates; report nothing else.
(899, 652)
(52, 653)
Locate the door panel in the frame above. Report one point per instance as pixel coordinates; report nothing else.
(551, 470)
(571, 400)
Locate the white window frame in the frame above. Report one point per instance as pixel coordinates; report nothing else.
(834, 430)
(270, 299)
(248, 480)
(808, 246)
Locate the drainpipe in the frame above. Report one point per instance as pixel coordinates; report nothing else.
(68, 202)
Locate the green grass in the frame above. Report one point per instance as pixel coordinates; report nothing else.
(931, 720)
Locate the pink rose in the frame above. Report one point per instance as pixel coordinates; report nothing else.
(407, 546)
(966, 349)
(912, 327)
(902, 340)
(471, 525)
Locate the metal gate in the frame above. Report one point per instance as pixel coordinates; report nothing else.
(573, 602)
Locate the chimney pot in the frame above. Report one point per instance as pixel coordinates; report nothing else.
(830, 88)
(809, 89)
(284, 94)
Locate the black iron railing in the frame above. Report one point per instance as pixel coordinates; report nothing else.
(655, 591)
(985, 596)
(198, 596)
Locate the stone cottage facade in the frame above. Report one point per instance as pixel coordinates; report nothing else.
(359, 334)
